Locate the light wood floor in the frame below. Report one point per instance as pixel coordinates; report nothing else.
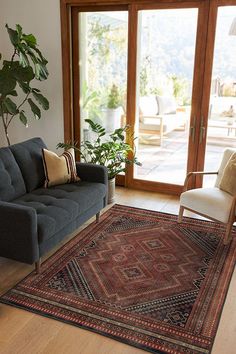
(22, 332)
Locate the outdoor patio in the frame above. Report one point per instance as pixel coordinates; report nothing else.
(167, 163)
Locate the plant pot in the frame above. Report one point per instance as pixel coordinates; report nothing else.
(112, 118)
(111, 190)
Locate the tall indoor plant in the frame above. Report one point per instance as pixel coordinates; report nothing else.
(112, 152)
(113, 110)
(17, 77)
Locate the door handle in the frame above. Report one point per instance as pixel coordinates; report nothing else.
(193, 129)
(202, 130)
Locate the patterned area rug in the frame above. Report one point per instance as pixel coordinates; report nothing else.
(137, 277)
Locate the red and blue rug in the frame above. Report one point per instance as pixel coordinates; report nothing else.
(138, 277)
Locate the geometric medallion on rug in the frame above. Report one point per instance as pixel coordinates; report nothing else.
(139, 277)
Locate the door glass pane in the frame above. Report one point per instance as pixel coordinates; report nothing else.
(166, 51)
(103, 69)
(222, 110)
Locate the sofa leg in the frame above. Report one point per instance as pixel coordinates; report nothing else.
(38, 266)
(97, 217)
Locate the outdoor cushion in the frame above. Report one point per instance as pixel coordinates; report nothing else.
(166, 104)
(11, 182)
(57, 206)
(148, 106)
(28, 155)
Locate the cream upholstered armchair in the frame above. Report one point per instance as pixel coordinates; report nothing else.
(214, 203)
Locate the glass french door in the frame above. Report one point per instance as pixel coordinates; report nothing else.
(101, 77)
(169, 73)
(165, 68)
(149, 66)
(221, 119)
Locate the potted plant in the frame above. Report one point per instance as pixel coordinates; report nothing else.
(113, 152)
(26, 64)
(113, 110)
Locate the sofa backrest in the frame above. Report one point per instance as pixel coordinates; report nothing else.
(28, 155)
(11, 180)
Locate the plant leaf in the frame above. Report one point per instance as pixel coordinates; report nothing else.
(41, 100)
(42, 59)
(35, 109)
(13, 93)
(41, 72)
(7, 82)
(14, 38)
(29, 39)
(23, 74)
(23, 119)
(19, 30)
(23, 60)
(10, 106)
(24, 86)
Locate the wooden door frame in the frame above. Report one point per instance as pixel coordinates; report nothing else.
(70, 66)
(200, 50)
(210, 41)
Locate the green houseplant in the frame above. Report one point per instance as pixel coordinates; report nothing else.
(16, 80)
(113, 152)
(114, 98)
(113, 110)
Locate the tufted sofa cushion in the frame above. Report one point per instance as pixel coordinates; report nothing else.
(57, 206)
(29, 158)
(11, 181)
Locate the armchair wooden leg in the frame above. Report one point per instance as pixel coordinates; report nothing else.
(38, 266)
(97, 217)
(228, 237)
(229, 225)
(181, 213)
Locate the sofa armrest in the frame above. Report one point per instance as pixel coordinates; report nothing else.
(18, 232)
(92, 173)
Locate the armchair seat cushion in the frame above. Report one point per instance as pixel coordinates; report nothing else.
(211, 202)
(57, 206)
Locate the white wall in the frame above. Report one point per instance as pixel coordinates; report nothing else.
(41, 18)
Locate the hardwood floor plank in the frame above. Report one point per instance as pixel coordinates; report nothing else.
(34, 336)
(12, 321)
(225, 341)
(75, 340)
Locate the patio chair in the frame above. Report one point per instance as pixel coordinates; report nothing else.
(158, 115)
(216, 203)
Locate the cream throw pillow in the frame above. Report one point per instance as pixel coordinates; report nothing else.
(59, 169)
(228, 179)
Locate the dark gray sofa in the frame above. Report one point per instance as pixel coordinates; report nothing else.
(33, 219)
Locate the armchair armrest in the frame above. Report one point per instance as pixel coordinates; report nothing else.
(92, 172)
(18, 232)
(196, 173)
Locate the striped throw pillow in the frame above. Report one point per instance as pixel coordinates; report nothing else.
(59, 169)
